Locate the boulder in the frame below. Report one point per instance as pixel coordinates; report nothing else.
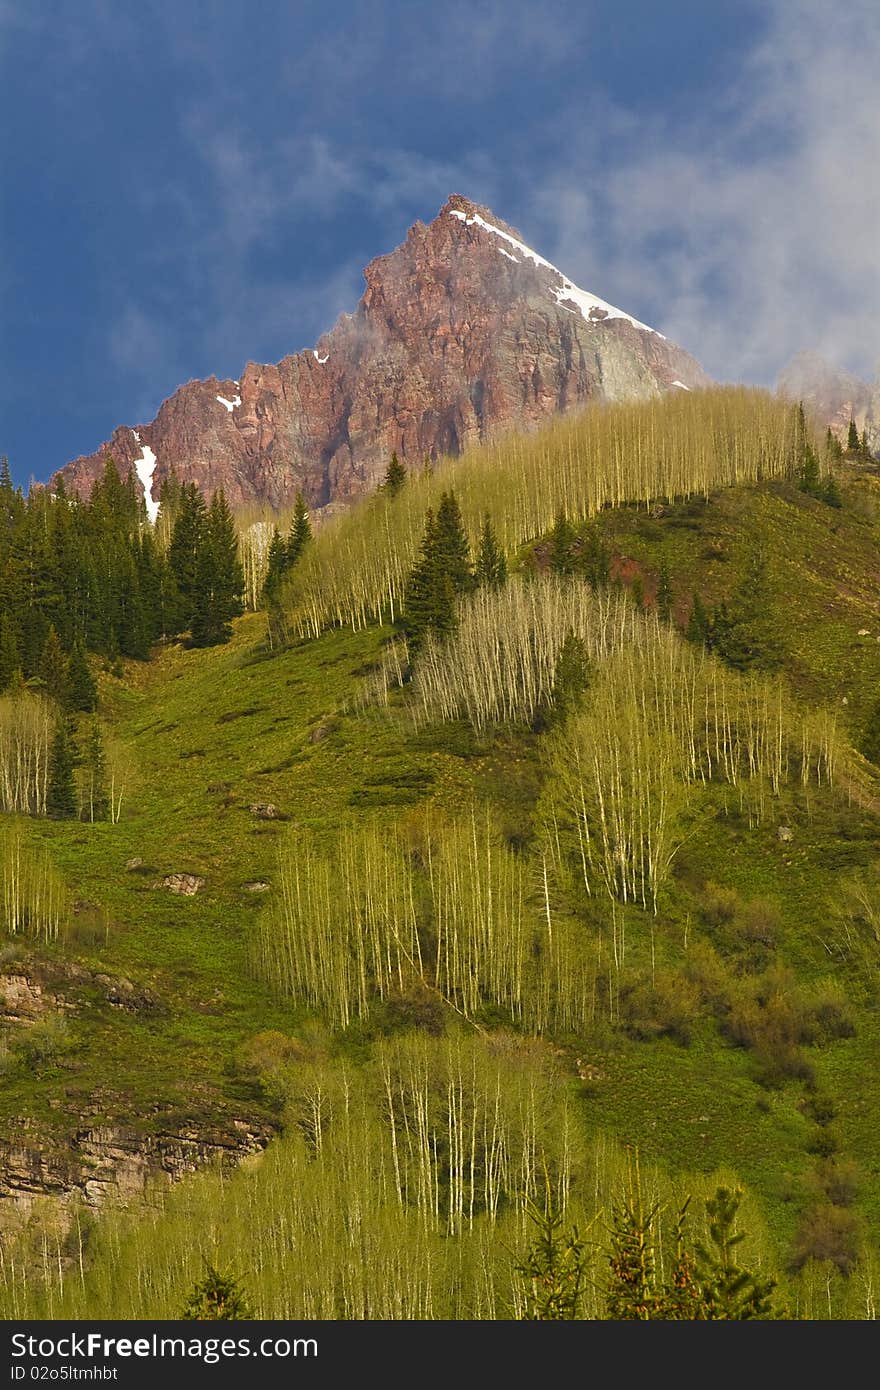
(187, 884)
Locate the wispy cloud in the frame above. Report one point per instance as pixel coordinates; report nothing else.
(761, 238)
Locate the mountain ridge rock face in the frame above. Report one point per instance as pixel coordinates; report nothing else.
(833, 395)
(462, 333)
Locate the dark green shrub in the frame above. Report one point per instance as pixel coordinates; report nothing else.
(823, 1142)
(837, 1180)
(719, 905)
(668, 1007)
(826, 1232)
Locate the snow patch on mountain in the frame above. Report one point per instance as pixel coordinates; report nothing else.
(230, 405)
(593, 309)
(145, 467)
(682, 385)
(322, 360)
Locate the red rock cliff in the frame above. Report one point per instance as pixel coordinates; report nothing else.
(461, 332)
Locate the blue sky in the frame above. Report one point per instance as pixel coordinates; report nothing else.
(186, 186)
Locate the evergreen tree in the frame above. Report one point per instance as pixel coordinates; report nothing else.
(594, 560)
(830, 492)
(664, 593)
(555, 1269)
(864, 451)
(10, 662)
(453, 551)
(869, 744)
(682, 1300)
(54, 667)
(742, 632)
(631, 1294)
(184, 549)
(429, 605)
(61, 788)
(300, 531)
(275, 568)
(82, 692)
(216, 1298)
(491, 567)
(97, 804)
(704, 1284)
(219, 578)
(571, 679)
(395, 477)
(833, 446)
(727, 1291)
(853, 443)
(697, 630)
(637, 592)
(808, 474)
(561, 542)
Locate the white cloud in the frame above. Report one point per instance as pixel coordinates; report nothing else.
(760, 238)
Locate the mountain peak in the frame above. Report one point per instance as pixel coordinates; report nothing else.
(462, 332)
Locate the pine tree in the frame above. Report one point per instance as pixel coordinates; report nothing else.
(216, 1298)
(682, 1299)
(82, 692)
(555, 1269)
(395, 477)
(97, 804)
(664, 593)
(631, 1294)
(10, 661)
(830, 492)
(853, 443)
(571, 679)
(727, 1291)
(869, 744)
(742, 632)
(224, 541)
(595, 563)
(833, 446)
(53, 668)
(429, 605)
(561, 542)
(300, 531)
(184, 549)
(453, 550)
(697, 629)
(275, 568)
(219, 578)
(864, 450)
(808, 474)
(637, 592)
(491, 567)
(61, 788)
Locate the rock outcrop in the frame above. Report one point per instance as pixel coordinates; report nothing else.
(113, 1163)
(462, 332)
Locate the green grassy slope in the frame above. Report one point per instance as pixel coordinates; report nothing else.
(213, 732)
(823, 572)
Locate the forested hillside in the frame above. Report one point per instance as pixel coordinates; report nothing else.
(493, 917)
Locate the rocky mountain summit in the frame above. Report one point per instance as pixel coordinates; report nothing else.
(835, 396)
(461, 333)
